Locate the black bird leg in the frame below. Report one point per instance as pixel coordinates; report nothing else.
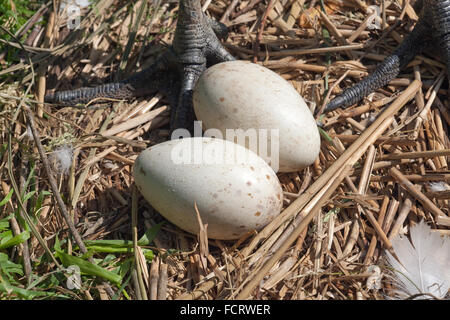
(434, 23)
(142, 83)
(440, 16)
(183, 116)
(194, 47)
(195, 42)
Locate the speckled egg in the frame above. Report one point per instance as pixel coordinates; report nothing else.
(247, 96)
(235, 190)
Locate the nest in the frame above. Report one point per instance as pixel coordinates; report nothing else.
(382, 168)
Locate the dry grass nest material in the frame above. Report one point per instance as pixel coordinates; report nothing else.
(378, 173)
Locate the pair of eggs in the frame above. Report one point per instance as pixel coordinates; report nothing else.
(236, 189)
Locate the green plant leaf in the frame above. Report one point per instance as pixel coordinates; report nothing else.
(5, 235)
(125, 246)
(26, 294)
(9, 268)
(150, 234)
(88, 268)
(325, 135)
(108, 249)
(6, 199)
(28, 196)
(109, 243)
(4, 224)
(24, 236)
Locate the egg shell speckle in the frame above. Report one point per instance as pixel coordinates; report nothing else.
(233, 197)
(244, 95)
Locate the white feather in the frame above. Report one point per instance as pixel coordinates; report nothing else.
(425, 263)
(62, 158)
(438, 186)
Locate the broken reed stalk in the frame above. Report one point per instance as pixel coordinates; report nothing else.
(379, 230)
(42, 71)
(423, 115)
(367, 170)
(391, 141)
(52, 181)
(334, 173)
(23, 211)
(162, 282)
(254, 281)
(261, 29)
(416, 155)
(204, 287)
(300, 65)
(362, 189)
(137, 264)
(295, 52)
(341, 40)
(334, 169)
(403, 214)
(441, 217)
(134, 122)
(362, 27)
(415, 177)
(154, 279)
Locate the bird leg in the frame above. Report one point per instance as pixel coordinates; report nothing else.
(195, 46)
(433, 24)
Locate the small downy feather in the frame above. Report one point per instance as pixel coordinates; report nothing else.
(425, 264)
(62, 158)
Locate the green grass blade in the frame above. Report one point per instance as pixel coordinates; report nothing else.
(88, 268)
(325, 135)
(27, 294)
(6, 199)
(150, 235)
(24, 236)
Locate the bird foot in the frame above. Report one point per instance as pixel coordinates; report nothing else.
(195, 46)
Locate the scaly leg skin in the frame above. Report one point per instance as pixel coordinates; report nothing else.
(143, 83)
(440, 16)
(413, 44)
(195, 45)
